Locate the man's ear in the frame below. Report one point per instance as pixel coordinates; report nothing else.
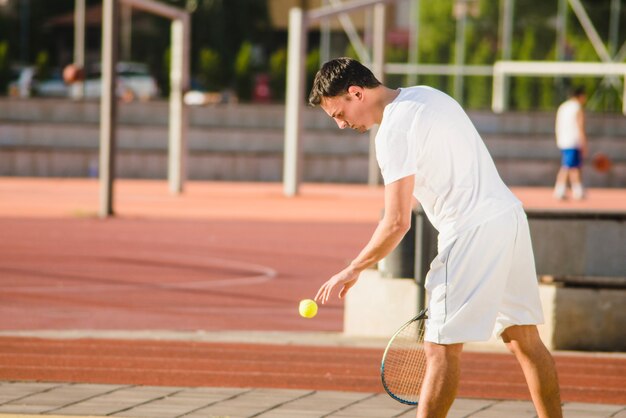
(356, 92)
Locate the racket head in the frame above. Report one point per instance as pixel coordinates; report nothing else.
(403, 366)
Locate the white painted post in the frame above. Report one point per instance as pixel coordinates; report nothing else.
(78, 88)
(378, 68)
(497, 101)
(179, 83)
(292, 165)
(108, 108)
(461, 10)
(414, 39)
(624, 96)
(506, 39)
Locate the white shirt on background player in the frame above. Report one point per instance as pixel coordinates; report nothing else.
(426, 133)
(567, 130)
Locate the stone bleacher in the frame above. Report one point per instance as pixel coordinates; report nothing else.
(59, 138)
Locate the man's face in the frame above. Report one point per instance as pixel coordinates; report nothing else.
(347, 110)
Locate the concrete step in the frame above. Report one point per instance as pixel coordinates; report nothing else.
(267, 140)
(155, 113)
(542, 123)
(245, 142)
(155, 138)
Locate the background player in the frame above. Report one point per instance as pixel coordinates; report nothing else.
(572, 141)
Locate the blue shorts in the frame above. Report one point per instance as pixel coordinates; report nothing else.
(571, 158)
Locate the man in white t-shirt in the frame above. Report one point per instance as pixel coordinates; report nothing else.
(483, 279)
(571, 139)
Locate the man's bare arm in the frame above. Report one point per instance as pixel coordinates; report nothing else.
(388, 234)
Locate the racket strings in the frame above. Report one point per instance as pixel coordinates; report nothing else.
(405, 362)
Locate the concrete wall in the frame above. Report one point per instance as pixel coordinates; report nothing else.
(576, 318)
(566, 244)
(580, 257)
(579, 244)
(579, 318)
(243, 142)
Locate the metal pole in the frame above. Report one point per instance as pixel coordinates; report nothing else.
(561, 33)
(506, 31)
(378, 44)
(110, 16)
(378, 68)
(179, 82)
(590, 30)
(292, 164)
(24, 31)
(498, 101)
(351, 33)
(459, 50)
(561, 30)
(614, 26)
(506, 37)
(325, 38)
(414, 39)
(126, 29)
(157, 7)
(78, 88)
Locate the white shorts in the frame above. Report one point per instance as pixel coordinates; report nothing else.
(483, 282)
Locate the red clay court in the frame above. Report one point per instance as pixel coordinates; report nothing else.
(221, 257)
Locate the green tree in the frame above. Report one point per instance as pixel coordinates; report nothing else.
(226, 25)
(42, 64)
(244, 73)
(395, 54)
(166, 65)
(437, 32)
(4, 67)
(523, 86)
(479, 88)
(312, 65)
(210, 69)
(278, 74)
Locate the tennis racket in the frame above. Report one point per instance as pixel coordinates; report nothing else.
(403, 366)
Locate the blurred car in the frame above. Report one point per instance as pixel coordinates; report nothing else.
(134, 82)
(27, 82)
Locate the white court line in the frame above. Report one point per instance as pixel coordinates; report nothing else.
(261, 274)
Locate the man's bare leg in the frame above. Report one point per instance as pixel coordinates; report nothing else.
(575, 179)
(560, 187)
(441, 381)
(539, 368)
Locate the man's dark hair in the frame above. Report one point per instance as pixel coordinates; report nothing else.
(337, 75)
(578, 91)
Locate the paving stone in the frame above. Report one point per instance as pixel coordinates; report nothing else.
(586, 414)
(318, 403)
(620, 414)
(471, 405)
(15, 390)
(179, 403)
(376, 406)
(29, 400)
(251, 403)
(591, 407)
(20, 408)
(490, 413)
(117, 401)
(523, 406)
(62, 395)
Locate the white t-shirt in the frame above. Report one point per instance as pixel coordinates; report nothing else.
(426, 133)
(567, 132)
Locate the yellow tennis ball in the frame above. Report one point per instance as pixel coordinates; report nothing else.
(308, 308)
